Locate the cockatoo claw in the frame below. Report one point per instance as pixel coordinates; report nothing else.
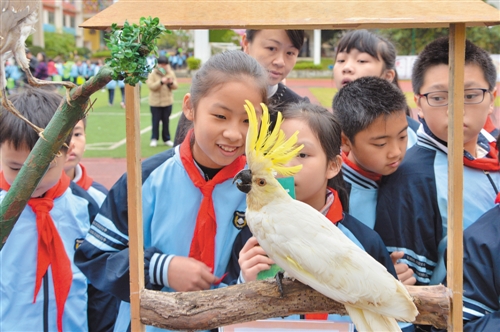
(279, 278)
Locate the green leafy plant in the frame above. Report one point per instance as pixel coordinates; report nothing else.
(130, 46)
(101, 54)
(193, 63)
(307, 65)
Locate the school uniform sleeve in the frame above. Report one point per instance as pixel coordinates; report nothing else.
(102, 310)
(104, 255)
(481, 307)
(408, 218)
(233, 267)
(102, 307)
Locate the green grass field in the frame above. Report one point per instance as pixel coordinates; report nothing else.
(106, 125)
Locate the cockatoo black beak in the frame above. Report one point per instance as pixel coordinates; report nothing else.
(244, 180)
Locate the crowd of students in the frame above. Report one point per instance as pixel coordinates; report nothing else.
(371, 169)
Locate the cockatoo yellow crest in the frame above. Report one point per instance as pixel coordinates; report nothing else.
(269, 151)
(307, 245)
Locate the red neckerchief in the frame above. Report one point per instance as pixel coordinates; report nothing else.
(370, 175)
(497, 200)
(85, 181)
(487, 163)
(334, 214)
(50, 246)
(336, 211)
(203, 243)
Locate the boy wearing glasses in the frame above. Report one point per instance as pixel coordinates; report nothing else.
(412, 203)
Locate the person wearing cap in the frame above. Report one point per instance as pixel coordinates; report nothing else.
(161, 81)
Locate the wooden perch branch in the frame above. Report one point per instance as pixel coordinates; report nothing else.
(37, 163)
(205, 310)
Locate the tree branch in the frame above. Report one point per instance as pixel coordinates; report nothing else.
(44, 151)
(205, 310)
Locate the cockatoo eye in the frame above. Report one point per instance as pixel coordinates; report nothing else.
(261, 182)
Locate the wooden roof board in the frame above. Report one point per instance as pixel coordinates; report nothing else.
(298, 14)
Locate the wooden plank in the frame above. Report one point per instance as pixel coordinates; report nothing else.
(455, 173)
(134, 198)
(297, 14)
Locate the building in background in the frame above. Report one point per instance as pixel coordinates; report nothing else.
(93, 39)
(64, 16)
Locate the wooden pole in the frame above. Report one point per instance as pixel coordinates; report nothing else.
(134, 198)
(455, 170)
(256, 300)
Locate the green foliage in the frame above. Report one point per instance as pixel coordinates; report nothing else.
(83, 51)
(130, 46)
(176, 39)
(59, 44)
(307, 65)
(223, 36)
(36, 49)
(193, 63)
(413, 41)
(102, 54)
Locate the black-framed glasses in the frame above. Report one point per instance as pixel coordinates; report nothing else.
(440, 98)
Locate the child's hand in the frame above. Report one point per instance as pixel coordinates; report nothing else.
(253, 259)
(405, 274)
(187, 274)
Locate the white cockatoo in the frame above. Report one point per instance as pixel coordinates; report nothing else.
(308, 246)
(17, 21)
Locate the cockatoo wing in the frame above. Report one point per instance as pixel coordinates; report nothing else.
(313, 250)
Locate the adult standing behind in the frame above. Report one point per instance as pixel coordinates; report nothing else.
(161, 82)
(276, 51)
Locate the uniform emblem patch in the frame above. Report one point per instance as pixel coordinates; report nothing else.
(239, 220)
(78, 242)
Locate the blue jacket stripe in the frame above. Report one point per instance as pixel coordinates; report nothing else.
(100, 241)
(109, 233)
(474, 305)
(160, 270)
(152, 271)
(354, 179)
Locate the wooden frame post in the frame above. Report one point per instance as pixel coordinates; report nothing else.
(455, 170)
(134, 197)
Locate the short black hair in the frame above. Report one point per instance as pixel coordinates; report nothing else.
(38, 106)
(437, 53)
(296, 37)
(358, 104)
(163, 60)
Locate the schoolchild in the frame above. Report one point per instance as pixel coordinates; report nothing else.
(277, 52)
(40, 286)
(481, 308)
(412, 205)
(75, 170)
(371, 113)
(363, 53)
(319, 184)
(188, 198)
